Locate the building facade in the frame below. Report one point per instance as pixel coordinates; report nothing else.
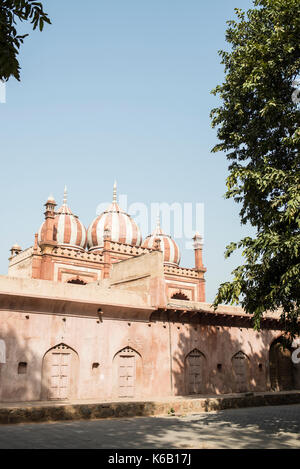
(102, 314)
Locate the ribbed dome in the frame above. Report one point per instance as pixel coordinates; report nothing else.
(121, 226)
(67, 228)
(168, 246)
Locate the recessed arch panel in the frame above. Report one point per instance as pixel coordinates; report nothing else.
(240, 366)
(281, 366)
(127, 373)
(60, 373)
(195, 364)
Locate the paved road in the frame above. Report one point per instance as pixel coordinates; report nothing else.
(258, 427)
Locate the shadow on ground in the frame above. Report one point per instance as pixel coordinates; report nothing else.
(260, 427)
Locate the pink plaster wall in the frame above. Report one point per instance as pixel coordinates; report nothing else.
(28, 339)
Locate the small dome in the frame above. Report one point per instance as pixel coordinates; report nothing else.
(16, 247)
(168, 246)
(51, 200)
(68, 230)
(121, 226)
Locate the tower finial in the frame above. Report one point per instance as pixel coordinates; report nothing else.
(158, 221)
(115, 192)
(65, 195)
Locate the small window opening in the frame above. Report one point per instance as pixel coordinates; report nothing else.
(22, 368)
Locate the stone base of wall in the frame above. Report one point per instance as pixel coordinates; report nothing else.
(46, 412)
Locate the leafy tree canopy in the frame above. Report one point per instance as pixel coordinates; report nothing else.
(258, 129)
(12, 12)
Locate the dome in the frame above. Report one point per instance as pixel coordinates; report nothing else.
(16, 247)
(168, 246)
(121, 226)
(68, 230)
(50, 200)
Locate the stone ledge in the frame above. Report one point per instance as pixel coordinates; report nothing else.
(66, 412)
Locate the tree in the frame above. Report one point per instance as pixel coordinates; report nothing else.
(12, 12)
(258, 128)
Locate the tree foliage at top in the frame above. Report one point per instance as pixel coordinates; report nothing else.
(258, 129)
(12, 12)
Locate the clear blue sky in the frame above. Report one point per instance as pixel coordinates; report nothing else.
(119, 89)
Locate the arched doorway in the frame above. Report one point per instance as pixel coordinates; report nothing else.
(60, 373)
(127, 373)
(240, 366)
(281, 366)
(194, 366)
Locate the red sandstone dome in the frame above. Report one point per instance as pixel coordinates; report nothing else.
(121, 227)
(168, 246)
(68, 230)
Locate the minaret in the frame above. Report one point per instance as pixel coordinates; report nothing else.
(43, 267)
(198, 247)
(49, 217)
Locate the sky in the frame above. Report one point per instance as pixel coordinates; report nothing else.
(119, 90)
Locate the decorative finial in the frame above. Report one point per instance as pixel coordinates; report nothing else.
(197, 237)
(115, 192)
(65, 195)
(50, 200)
(198, 241)
(158, 221)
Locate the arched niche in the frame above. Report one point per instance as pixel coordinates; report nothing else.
(76, 281)
(195, 370)
(180, 296)
(281, 366)
(60, 373)
(127, 373)
(241, 372)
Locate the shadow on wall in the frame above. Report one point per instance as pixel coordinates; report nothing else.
(220, 360)
(20, 375)
(28, 375)
(205, 360)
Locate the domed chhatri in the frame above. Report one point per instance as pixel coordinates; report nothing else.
(120, 226)
(168, 246)
(15, 249)
(66, 230)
